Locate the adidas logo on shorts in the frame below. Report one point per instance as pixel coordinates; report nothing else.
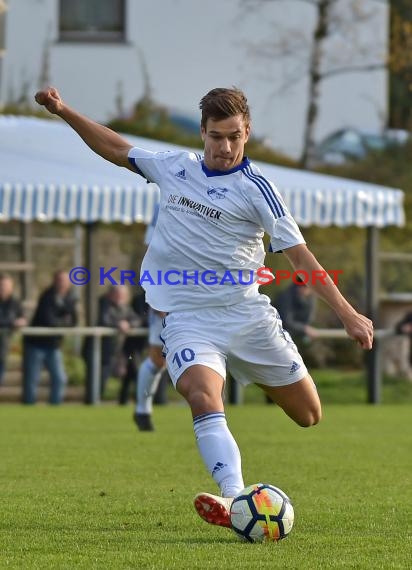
(295, 366)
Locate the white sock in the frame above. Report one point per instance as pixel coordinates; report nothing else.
(219, 452)
(147, 382)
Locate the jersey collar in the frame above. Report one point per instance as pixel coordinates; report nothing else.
(245, 162)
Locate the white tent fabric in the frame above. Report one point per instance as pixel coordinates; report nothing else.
(47, 173)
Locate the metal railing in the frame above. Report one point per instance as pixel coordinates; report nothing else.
(93, 377)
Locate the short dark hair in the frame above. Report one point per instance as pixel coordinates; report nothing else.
(221, 103)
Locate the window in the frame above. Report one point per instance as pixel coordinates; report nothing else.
(92, 20)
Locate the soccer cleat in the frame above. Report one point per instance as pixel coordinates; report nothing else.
(214, 509)
(143, 422)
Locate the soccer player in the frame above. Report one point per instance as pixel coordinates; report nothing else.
(214, 210)
(151, 369)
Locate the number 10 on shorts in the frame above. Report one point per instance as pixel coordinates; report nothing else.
(185, 355)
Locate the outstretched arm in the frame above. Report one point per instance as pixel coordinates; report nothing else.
(358, 327)
(100, 139)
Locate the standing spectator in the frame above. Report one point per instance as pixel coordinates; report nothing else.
(11, 317)
(115, 312)
(296, 306)
(56, 308)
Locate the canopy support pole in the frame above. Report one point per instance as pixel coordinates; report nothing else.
(26, 257)
(93, 345)
(374, 372)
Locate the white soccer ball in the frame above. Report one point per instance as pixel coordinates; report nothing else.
(262, 512)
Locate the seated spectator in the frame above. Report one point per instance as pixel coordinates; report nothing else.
(56, 308)
(11, 318)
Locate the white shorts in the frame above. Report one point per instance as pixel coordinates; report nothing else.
(247, 337)
(155, 322)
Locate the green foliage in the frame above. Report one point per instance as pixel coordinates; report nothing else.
(257, 150)
(151, 120)
(390, 168)
(75, 368)
(400, 64)
(24, 109)
(83, 489)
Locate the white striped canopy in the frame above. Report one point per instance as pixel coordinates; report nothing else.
(47, 173)
(321, 200)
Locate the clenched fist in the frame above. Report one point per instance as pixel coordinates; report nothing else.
(360, 328)
(50, 99)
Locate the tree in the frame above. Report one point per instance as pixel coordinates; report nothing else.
(315, 52)
(400, 61)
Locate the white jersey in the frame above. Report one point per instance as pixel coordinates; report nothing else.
(150, 228)
(208, 241)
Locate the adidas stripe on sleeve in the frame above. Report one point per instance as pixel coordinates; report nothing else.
(275, 217)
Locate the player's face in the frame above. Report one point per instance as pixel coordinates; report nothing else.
(224, 142)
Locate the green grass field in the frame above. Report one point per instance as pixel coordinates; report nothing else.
(81, 488)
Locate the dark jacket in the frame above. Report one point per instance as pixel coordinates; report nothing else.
(10, 311)
(295, 310)
(110, 315)
(407, 319)
(53, 311)
(136, 344)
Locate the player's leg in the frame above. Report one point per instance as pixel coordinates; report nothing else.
(195, 343)
(148, 378)
(202, 388)
(300, 400)
(265, 354)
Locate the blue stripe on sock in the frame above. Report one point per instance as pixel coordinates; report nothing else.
(204, 417)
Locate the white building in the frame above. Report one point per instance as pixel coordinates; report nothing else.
(96, 52)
